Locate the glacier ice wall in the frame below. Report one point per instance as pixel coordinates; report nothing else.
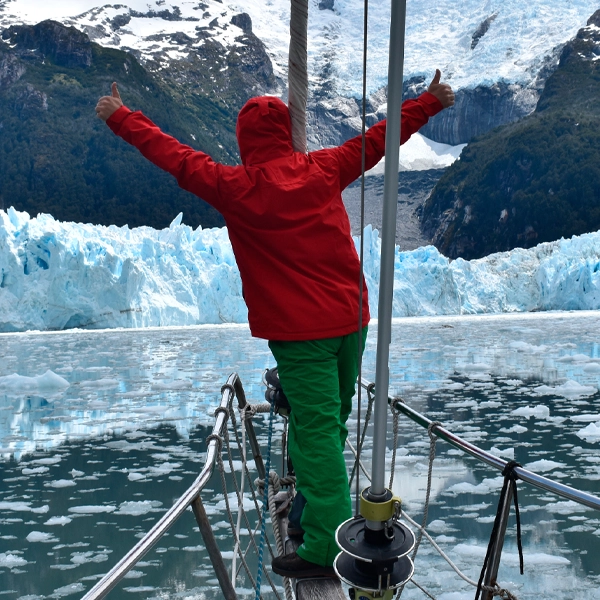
(57, 275)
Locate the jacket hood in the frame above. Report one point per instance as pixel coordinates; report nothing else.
(264, 130)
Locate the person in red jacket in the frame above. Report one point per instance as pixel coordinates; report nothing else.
(291, 237)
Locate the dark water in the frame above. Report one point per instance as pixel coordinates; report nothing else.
(90, 467)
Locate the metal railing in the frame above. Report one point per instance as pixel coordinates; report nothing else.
(232, 389)
(543, 483)
(529, 477)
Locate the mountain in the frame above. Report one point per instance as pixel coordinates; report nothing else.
(495, 53)
(532, 181)
(57, 157)
(191, 65)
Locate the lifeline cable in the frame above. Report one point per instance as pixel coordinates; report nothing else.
(510, 479)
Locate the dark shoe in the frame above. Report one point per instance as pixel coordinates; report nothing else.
(294, 566)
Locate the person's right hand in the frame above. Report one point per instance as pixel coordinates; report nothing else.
(107, 105)
(442, 91)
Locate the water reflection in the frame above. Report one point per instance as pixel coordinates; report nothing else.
(88, 468)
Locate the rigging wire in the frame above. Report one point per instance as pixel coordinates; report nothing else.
(361, 277)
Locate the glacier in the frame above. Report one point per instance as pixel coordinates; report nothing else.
(56, 276)
(512, 50)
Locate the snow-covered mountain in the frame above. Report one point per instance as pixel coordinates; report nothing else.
(503, 47)
(474, 42)
(57, 275)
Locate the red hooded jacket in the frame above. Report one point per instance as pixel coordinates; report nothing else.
(284, 212)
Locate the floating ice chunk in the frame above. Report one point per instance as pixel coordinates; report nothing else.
(23, 507)
(462, 404)
(508, 453)
(49, 460)
(540, 411)
(133, 574)
(178, 384)
(135, 476)
(514, 429)
(58, 521)
(138, 508)
(521, 346)
(438, 526)
(490, 404)
(201, 548)
(41, 536)
(574, 358)
(60, 483)
(543, 465)
(567, 507)
(586, 418)
(76, 473)
(35, 471)
(67, 590)
(591, 433)
(570, 389)
(485, 487)
(100, 383)
(49, 381)
(92, 509)
(81, 558)
(453, 385)
(10, 560)
(164, 468)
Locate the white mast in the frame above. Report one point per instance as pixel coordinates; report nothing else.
(388, 242)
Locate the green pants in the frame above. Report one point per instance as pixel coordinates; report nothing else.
(319, 379)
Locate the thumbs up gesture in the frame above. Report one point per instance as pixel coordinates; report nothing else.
(442, 91)
(107, 105)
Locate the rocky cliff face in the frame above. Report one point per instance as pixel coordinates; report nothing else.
(11, 69)
(65, 46)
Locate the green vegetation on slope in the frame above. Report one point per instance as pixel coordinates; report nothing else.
(57, 157)
(532, 181)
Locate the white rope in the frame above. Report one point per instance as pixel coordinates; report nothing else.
(297, 73)
(360, 462)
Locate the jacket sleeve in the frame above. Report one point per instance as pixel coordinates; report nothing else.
(195, 171)
(415, 114)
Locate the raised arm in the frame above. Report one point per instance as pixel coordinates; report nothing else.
(415, 114)
(195, 171)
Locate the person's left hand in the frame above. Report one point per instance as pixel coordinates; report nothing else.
(107, 105)
(442, 91)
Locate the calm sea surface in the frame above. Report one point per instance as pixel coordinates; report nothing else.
(90, 460)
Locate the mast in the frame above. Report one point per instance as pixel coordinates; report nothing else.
(374, 547)
(388, 242)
